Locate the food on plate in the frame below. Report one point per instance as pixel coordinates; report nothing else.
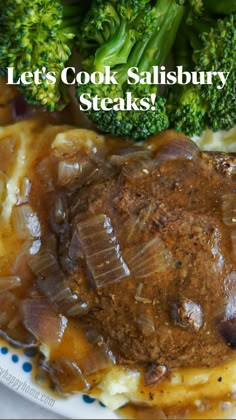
(118, 263)
(200, 36)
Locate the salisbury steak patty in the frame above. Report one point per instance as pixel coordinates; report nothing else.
(148, 246)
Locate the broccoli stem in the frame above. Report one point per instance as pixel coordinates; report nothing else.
(108, 54)
(220, 6)
(155, 49)
(159, 45)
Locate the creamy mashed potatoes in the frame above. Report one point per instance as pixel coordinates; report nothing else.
(222, 141)
(204, 393)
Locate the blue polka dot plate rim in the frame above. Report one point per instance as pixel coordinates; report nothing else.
(16, 373)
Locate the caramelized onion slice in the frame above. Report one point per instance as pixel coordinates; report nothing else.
(40, 319)
(9, 315)
(60, 211)
(135, 225)
(58, 293)
(229, 209)
(25, 188)
(9, 282)
(67, 376)
(102, 250)
(3, 187)
(138, 169)
(233, 238)
(26, 222)
(177, 148)
(148, 259)
(126, 155)
(46, 170)
(69, 143)
(68, 171)
(227, 329)
(11, 327)
(74, 251)
(45, 264)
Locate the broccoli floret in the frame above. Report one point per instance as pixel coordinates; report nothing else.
(195, 7)
(193, 107)
(223, 7)
(36, 34)
(187, 110)
(132, 34)
(218, 53)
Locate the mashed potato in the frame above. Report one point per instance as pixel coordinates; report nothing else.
(222, 141)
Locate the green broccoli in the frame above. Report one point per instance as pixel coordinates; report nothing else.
(218, 53)
(198, 7)
(223, 7)
(39, 33)
(128, 33)
(208, 45)
(195, 7)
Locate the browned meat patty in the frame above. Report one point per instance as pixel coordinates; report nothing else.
(148, 246)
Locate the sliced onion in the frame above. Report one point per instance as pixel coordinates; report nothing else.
(45, 264)
(21, 268)
(138, 296)
(69, 143)
(125, 156)
(58, 293)
(230, 310)
(47, 171)
(92, 356)
(102, 251)
(100, 356)
(84, 170)
(42, 321)
(97, 360)
(177, 148)
(155, 374)
(11, 327)
(60, 211)
(67, 376)
(79, 309)
(74, 251)
(233, 238)
(26, 222)
(25, 188)
(227, 329)
(50, 244)
(3, 187)
(9, 309)
(148, 259)
(229, 209)
(68, 171)
(135, 225)
(187, 314)
(139, 169)
(9, 282)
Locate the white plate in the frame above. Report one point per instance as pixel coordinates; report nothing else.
(16, 372)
